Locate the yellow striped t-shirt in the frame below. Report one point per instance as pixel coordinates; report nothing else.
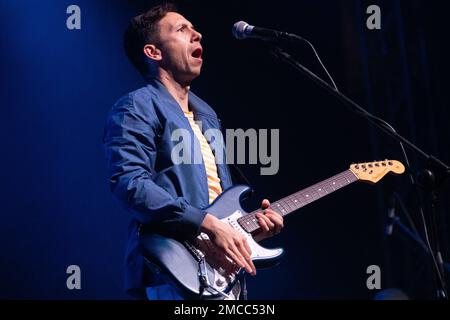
(214, 187)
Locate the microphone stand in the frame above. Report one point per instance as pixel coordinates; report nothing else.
(411, 234)
(430, 178)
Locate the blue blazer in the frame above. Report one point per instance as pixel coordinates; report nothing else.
(168, 197)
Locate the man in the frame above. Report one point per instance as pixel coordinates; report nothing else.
(165, 47)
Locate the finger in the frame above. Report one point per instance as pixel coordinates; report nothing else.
(244, 248)
(253, 267)
(278, 226)
(247, 247)
(265, 204)
(240, 262)
(238, 254)
(275, 218)
(248, 259)
(262, 222)
(269, 222)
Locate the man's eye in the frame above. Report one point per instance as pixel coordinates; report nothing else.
(182, 28)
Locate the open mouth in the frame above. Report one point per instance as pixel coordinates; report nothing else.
(197, 53)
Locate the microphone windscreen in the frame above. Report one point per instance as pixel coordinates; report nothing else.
(239, 30)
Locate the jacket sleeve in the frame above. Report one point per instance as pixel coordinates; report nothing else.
(130, 145)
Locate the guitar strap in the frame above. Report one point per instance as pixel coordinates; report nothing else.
(241, 176)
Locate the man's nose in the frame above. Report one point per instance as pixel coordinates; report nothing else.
(196, 36)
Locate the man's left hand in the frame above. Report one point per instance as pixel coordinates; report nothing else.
(271, 222)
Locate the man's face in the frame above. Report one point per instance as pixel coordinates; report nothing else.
(180, 47)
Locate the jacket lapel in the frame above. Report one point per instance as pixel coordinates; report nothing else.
(202, 112)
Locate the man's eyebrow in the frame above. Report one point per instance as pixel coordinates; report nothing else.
(185, 23)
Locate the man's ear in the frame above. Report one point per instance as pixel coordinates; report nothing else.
(152, 52)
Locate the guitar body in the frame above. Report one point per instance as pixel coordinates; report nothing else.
(178, 262)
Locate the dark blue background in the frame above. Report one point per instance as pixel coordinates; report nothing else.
(57, 86)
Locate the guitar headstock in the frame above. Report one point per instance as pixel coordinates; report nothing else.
(373, 172)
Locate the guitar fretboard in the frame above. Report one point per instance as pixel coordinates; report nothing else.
(300, 199)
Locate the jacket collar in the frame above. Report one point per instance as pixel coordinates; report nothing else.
(197, 105)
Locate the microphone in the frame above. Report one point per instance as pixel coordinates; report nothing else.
(242, 30)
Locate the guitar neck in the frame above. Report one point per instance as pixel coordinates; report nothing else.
(301, 198)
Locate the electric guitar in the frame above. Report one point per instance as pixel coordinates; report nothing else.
(199, 270)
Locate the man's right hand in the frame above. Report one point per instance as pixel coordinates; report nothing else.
(230, 241)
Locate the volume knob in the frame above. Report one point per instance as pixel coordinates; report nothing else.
(220, 282)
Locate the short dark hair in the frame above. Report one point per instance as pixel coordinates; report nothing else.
(143, 29)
